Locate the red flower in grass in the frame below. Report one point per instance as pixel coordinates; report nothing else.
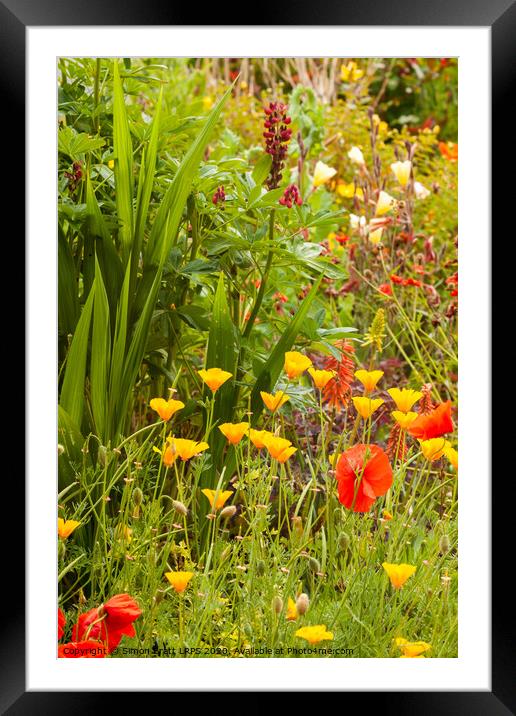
(385, 288)
(434, 424)
(109, 622)
(61, 621)
(88, 649)
(363, 474)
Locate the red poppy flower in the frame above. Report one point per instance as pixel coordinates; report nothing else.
(366, 471)
(89, 649)
(385, 288)
(61, 621)
(109, 622)
(396, 279)
(434, 424)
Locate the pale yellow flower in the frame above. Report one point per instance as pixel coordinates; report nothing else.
(296, 363)
(404, 420)
(368, 378)
(214, 377)
(434, 448)
(322, 174)
(356, 156)
(351, 72)
(321, 377)
(385, 203)
(274, 401)
(404, 398)
(315, 634)
(401, 171)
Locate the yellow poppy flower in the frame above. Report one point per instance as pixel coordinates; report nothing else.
(369, 378)
(257, 437)
(348, 191)
(404, 420)
(412, 649)
(321, 377)
(385, 203)
(111, 163)
(296, 363)
(315, 634)
(366, 406)
(291, 615)
(279, 448)
(351, 72)
(274, 401)
(180, 447)
(356, 156)
(401, 171)
(452, 455)
(387, 515)
(166, 408)
(434, 448)
(322, 174)
(234, 432)
(221, 500)
(179, 580)
(404, 398)
(65, 528)
(398, 573)
(214, 377)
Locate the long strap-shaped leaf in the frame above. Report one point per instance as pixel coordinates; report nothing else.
(271, 370)
(72, 391)
(124, 180)
(100, 356)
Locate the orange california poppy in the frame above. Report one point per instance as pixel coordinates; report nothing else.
(366, 471)
(434, 424)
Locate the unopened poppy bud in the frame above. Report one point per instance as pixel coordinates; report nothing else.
(444, 544)
(61, 549)
(343, 541)
(179, 507)
(137, 496)
(277, 605)
(103, 456)
(337, 515)
(302, 604)
(228, 512)
(248, 630)
(314, 565)
(260, 568)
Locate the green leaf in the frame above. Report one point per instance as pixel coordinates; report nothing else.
(68, 301)
(274, 365)
(123, 152)
(72, 391)
(100, 356)
(262, 169)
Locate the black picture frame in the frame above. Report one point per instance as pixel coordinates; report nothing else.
(500, 16)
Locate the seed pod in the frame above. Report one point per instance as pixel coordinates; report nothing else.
(260, 568)
(137, 496)
(343, 541)
(248, 630)
(179, 507)
(302, 603)
(314, 565)
(228, 512)
(277, 605)
(444, 544)
(103, 455)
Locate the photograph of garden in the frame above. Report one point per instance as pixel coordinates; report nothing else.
(257, 357)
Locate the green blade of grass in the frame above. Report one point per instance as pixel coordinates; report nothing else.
(100, 355)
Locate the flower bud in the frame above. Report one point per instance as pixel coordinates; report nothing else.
(343, 541)
(277, 605)
(314, 565)
(302, 604)
(60, 449)
(228, 512)
(260, 568)
(137, 496)
(103, 455)
(179, 507)
(248, 631)
(444, 544)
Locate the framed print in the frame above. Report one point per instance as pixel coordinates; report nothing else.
(253, 365)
